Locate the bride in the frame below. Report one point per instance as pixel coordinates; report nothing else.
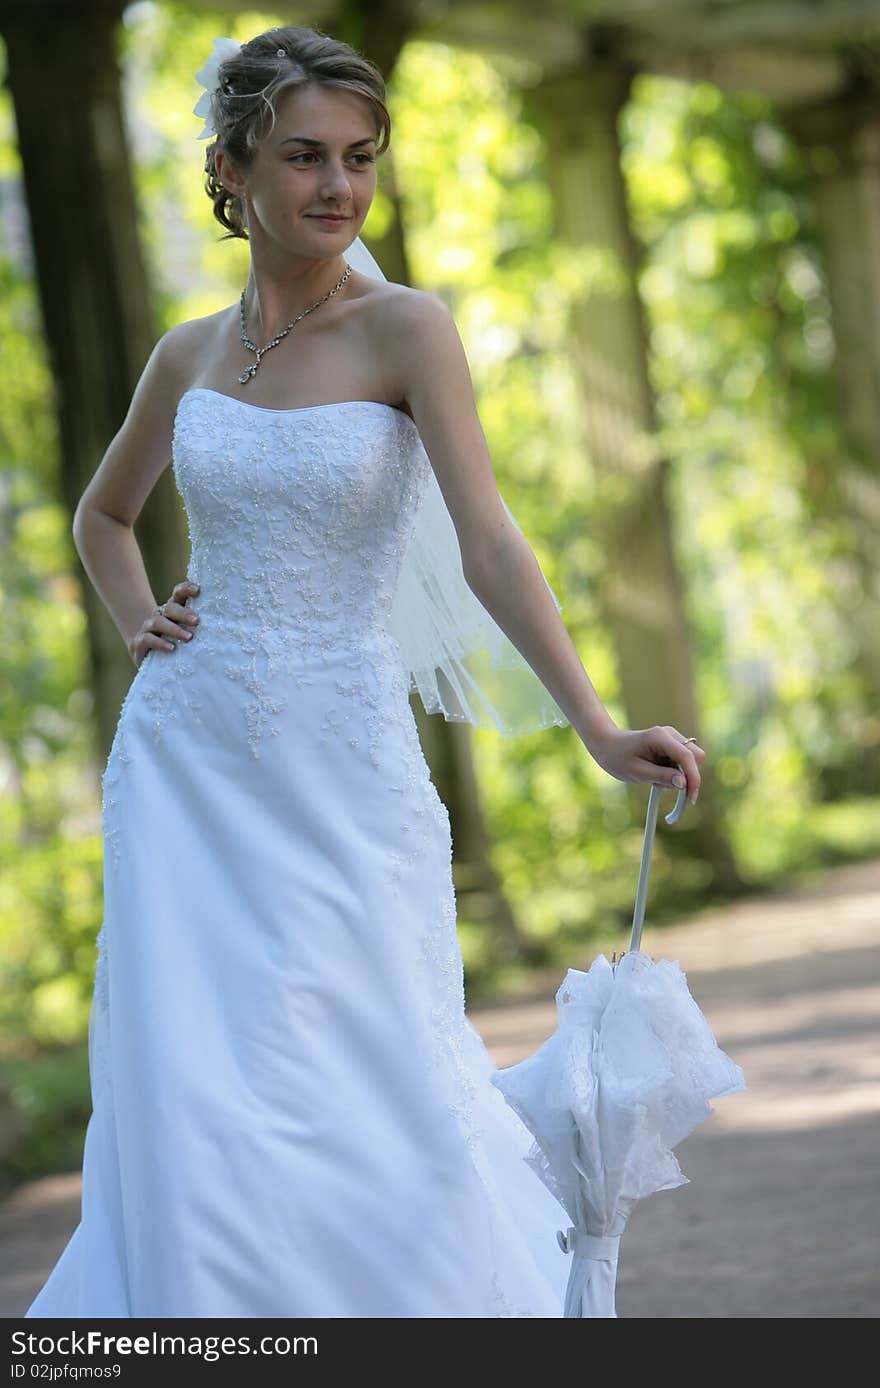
(292, 1115)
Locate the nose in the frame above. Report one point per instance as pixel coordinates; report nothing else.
(336, 184)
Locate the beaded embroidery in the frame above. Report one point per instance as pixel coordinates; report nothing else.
(298, 526)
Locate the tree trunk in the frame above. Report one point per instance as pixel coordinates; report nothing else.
(92, 281)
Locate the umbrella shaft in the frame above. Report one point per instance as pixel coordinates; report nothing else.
(645, 867)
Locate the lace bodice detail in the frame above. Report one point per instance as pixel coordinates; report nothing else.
(298, 524)
(298, 519)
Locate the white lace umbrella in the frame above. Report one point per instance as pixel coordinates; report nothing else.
(627, 1074)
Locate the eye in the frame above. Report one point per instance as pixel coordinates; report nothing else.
(309, 154)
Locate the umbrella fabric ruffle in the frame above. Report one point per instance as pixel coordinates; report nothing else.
(627, 1074)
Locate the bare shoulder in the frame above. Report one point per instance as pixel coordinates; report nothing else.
(415, 333)
(184, 345)
(415, 323)
(142, 447)
(423, 348)
(424, 352)
(174, 360)
(402, 309)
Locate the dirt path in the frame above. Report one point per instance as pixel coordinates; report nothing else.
(781, 1217)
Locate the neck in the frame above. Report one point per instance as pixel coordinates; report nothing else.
(271, 301)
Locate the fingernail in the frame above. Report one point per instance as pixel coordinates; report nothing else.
(678, 781)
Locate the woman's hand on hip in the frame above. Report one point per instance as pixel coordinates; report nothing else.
(166, 625)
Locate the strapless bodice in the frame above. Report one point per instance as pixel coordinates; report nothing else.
(298, 519)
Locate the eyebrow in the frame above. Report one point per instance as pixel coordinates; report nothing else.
(319, 144)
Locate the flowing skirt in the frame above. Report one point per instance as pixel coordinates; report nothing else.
(292, 1114)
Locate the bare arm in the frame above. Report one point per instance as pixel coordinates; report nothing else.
(103, 523)
(425, 352)
(498, 562)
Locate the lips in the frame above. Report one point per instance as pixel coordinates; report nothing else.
(328, 217)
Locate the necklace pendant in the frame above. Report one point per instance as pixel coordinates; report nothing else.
(261, 351)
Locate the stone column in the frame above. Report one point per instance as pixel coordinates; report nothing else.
(841, 137)
(641, 599)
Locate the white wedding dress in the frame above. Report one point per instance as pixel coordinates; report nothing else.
(292, 1115)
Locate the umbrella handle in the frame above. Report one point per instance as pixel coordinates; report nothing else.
(673, 817)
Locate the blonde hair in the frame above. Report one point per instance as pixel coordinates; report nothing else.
(244, 105)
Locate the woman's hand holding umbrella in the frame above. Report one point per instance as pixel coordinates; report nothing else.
(636, 755)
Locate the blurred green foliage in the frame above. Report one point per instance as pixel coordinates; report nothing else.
(740, 357)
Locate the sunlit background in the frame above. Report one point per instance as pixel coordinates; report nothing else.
(671, 358)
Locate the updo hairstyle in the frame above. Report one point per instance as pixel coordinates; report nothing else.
(245, 103)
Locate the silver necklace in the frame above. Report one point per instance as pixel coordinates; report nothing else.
(261, 351)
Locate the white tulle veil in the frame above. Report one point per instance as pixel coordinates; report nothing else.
(460, 661)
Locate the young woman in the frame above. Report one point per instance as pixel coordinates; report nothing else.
(292, 1115)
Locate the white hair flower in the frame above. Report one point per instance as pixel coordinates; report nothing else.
(207, 75)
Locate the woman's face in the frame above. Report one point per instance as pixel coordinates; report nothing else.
(320, 158)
